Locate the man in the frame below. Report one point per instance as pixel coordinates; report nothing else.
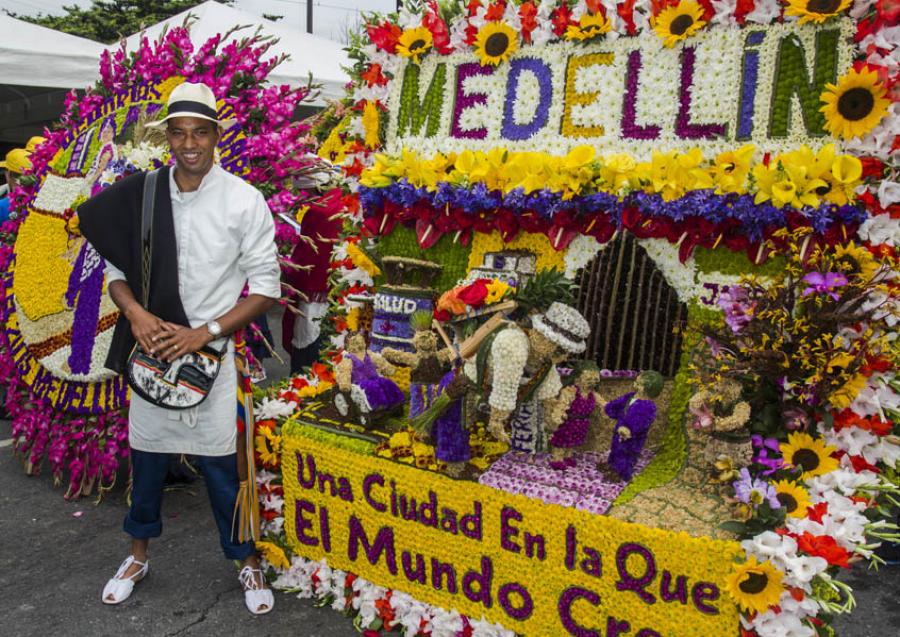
(212, 233)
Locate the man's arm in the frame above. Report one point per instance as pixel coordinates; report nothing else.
(145, 326)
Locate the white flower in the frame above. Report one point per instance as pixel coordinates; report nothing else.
(772, 624)
(445, 623)
(581, 251)
(724, 12)
(274, 408)
(483, 628)
(764, 11)
(888, 193)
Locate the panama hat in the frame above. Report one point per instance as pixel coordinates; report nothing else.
(565, 326)
(192, 100)
(17, 161)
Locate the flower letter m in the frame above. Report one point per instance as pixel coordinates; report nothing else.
(413, 113)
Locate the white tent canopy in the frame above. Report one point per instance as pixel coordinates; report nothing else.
(308, 53)
(33, 55)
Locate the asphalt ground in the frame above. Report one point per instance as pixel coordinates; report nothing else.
(55, 557)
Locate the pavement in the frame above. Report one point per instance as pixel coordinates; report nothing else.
(55, 557)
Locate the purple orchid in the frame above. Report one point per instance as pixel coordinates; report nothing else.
(766, 446)
(825, 283)
(736, 305)
(754, 491)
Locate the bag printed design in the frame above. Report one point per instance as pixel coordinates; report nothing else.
(180, 384)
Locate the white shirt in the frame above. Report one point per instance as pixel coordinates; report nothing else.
(307, 326)
(225, 239)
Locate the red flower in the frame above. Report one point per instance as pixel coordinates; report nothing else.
(626, 12)
(741, 10)
(888, 10)
(817, 512)
(442, 315)
(528, 19)
(561, 18)
(495, 11)
(385, 35)
(474, 294)
(373, 76)
(439, 33)
(826, 547)
(872, 167)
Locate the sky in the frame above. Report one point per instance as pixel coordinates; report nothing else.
(330, 17)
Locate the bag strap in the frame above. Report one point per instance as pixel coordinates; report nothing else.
(147, 209)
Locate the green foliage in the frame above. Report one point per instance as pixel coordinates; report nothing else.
(449, 253)
(109, 20)
(737, 263)
(543, 289)
(421, 320)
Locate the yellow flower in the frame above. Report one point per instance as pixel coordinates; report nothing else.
(847, 393)
(301, 213)
(495, 43)
(755, 586)
(617, 171)
(589, 26)
(268, 446)
(855, 105)
(353, 319)
(414, 43)
(333, 148)
(371, 123)
(273, 554)
(361, 260)
(680, 22)
(856, 261)
(526, 171)
(379, 175)
(793, 498)
(496, 290)
(815, 10)
(809, 454)
(730, 171)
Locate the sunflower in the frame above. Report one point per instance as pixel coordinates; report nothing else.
(414, 43)
(589, 26)
(755, 586)
(793, 498)
(268, 446)
(273, 554)
(495, 43)
(809, 454)
(856, 261)
(679, 22)
(815, 10)
(855, 105)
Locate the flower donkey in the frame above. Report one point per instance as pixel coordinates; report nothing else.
(634, 413)
(361, 375)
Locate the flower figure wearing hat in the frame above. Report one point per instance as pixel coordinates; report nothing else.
(634, 413)
(515, 372)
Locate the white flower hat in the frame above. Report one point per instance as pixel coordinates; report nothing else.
(565, 326)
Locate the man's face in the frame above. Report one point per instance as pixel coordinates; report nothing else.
(193, 142)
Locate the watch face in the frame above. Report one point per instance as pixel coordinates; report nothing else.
(214, 328)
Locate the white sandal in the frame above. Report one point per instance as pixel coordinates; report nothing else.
(255, 597)
(119, 588)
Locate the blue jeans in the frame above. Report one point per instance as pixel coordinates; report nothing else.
(149, 474)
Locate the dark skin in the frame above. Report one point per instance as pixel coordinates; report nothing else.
(192, 141)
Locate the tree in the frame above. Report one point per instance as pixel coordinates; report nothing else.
(109, 20)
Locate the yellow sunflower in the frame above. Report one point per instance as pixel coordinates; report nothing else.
(755, 586)
(268, 446)
(793, 498)
(589, 26)
(856, 261)
(815, 10)
(680, 22)
(273, 554)
(495, 43)
(809, 454)
(414, 43)
(855, 105)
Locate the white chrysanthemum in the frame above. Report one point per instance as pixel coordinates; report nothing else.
(581, 251)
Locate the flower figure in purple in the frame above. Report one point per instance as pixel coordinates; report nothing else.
(634, 413)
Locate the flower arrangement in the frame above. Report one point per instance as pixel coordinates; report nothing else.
(814, 351)
(464, 300)
(66, 407)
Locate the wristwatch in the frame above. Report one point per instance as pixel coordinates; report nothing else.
(214, 329)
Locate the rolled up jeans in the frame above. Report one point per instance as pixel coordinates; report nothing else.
(148, 478)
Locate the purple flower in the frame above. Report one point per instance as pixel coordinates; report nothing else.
(824, 283)
(795, 419)
(765, 447)
(754, 491)
(735, 303)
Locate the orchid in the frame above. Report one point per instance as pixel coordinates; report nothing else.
(825, 283)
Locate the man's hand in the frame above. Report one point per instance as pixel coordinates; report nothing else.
(147, 328)
(180, 340)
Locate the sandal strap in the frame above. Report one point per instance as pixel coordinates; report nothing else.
(248, 579)
(124, 567)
